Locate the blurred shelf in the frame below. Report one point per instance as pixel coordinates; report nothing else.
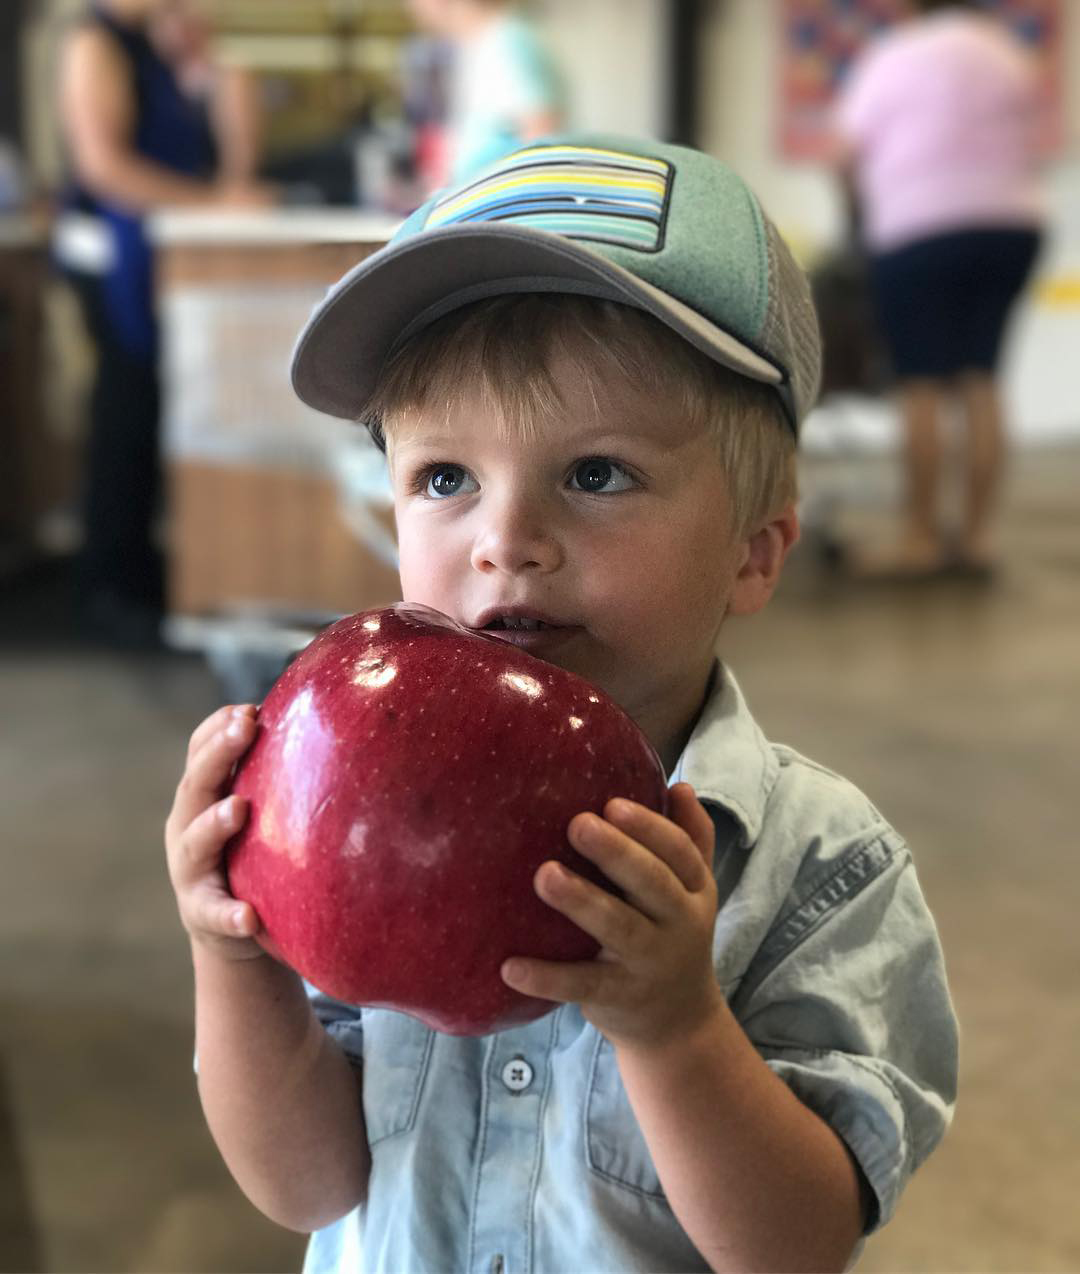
(272, 226)
(368, 53)
(297, 17)
(324, 65)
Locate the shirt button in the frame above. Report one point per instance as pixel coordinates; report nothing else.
(517, 1075)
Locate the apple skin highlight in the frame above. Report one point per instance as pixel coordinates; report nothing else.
(408, 777)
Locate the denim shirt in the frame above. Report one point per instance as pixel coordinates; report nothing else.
(519, 1152)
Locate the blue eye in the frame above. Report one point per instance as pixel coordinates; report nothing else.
(598, 474)
(445, 480)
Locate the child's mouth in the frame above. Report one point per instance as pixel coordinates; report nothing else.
(528, 633)
(517, 623)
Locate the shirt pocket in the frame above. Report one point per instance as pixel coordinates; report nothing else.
(397, 1051)
(614, 1143)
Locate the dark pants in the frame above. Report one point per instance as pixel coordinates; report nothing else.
(122, 480)
(944, 301)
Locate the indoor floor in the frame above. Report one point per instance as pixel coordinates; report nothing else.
(953, 704)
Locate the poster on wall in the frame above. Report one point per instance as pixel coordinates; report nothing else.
(820, 38)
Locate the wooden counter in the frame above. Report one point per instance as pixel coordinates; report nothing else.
(266, 514)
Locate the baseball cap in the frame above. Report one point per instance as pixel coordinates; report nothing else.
(669, 230)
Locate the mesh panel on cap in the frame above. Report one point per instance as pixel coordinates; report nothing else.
(790, 331)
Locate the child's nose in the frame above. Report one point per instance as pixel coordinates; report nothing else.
(516, 538)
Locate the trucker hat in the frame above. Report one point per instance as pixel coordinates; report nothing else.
(664, 228)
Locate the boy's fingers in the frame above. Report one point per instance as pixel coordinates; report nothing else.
(693, 818)
(667, 839)
(216, 722)
(615, 924)
(209, 769)
(212, 909)
(204, 840)
(642, 872)
(558, 980)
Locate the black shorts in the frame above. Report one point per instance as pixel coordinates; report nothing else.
(943, 301)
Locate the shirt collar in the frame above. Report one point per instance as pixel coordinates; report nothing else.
(727, 759)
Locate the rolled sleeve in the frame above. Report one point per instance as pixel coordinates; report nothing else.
(865, 1107)
(851, 1009)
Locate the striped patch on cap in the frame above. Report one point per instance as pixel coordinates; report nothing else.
(606, 196)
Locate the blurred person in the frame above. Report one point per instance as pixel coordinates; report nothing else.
(425, 74)
(149, 121)
(504, 86)
(939, 134)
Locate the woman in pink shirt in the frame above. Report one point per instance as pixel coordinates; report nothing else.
(940, 130)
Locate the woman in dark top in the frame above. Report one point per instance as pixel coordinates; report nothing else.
(149, 122)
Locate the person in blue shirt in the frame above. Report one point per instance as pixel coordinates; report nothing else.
(505, 86)
(588, 368)
(149, 121)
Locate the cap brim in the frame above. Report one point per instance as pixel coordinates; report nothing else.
(409, 285)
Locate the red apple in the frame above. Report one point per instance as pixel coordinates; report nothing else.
(407, 778)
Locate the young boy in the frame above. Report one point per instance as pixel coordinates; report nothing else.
(588, 369)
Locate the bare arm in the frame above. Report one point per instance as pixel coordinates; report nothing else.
(757, 1180)
(281, 1100)
(237, 123)
(97, 114)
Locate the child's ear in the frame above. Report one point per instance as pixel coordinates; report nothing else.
(763, 555)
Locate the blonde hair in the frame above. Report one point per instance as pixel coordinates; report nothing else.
(503, 349)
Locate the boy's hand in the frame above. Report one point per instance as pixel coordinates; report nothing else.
(653, 979)
(200, 824)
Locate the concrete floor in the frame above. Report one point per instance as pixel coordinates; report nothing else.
(954, 706)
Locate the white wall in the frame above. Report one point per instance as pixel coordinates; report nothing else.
(738, 108)
(738, 119)
(614, 56)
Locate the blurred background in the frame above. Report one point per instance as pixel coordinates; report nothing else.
(180, 180)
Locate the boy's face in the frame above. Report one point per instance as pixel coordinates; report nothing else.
(610, 524)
